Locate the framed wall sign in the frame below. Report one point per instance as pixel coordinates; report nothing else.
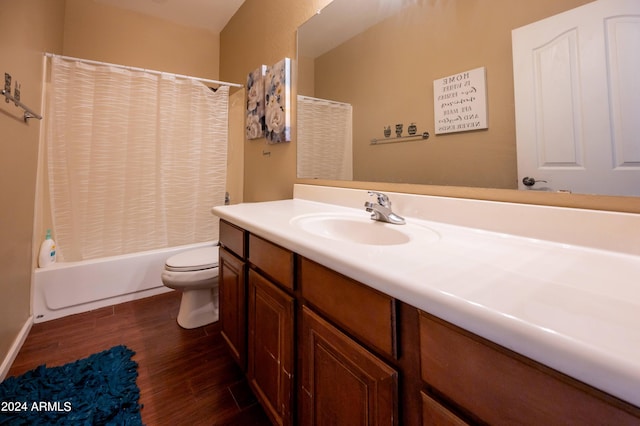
(460, 102)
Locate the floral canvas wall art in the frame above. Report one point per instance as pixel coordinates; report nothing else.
(278, 102)
(255, 123)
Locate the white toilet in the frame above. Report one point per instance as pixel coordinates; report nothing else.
(195, 273)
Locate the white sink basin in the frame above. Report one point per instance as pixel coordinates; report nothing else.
(362, 230)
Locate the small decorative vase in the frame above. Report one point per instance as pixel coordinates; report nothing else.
(412, 129)
(398, 130)
(387, 131)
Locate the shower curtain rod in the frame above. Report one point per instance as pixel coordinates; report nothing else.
(88, 61)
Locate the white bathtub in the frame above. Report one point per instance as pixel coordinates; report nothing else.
(72, 287)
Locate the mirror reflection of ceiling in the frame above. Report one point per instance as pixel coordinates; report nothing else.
(211, 15)
(385, 74)
(337, 24)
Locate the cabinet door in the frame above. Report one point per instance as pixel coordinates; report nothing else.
(342, 382)
(434, 414)
(233, 305)
(271, 335)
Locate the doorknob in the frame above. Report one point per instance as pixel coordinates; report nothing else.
(529, 181)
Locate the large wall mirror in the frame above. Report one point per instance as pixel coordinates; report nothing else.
(365, 66)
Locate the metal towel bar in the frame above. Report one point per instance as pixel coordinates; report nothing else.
(6, 92)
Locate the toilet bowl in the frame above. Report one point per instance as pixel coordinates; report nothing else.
(195, 274)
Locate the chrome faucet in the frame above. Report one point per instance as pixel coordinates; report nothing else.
(381, 210)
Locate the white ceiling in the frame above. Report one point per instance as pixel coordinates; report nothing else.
(212, 15)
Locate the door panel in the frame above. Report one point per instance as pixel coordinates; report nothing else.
(577, 99)
(623, 36)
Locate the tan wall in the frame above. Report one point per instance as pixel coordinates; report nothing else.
(103, 33)
(262, 33)
(28, 28)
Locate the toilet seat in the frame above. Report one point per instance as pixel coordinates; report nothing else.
(203, 278)
(193, 260)
(192, 269)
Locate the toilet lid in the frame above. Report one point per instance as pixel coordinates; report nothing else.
(193, 260)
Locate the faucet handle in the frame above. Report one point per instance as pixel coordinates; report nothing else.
(383, 200)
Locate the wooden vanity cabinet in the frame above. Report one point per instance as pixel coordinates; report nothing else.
(321, 348)
(234, 239)
(232, 290)
(271, 338)
(500, 387)
(360, 310)
(233, 305)
(342, 383)
(345, 325)
(435, 414)
(271, 312)
(272, 261)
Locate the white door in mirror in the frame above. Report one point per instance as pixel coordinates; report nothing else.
(577, 100)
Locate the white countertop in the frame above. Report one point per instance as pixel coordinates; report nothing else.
(573, 308)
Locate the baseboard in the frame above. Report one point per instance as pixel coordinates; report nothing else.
(15, 348)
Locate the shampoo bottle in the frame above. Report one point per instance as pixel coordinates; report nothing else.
(47, 251)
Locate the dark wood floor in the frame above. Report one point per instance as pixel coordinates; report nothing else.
(186, 377)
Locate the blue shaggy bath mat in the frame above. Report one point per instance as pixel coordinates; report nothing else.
(98, 390)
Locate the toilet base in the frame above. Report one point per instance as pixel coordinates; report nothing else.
(198, 308)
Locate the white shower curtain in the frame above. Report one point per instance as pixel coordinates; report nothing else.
(324, 139)
(135, 160)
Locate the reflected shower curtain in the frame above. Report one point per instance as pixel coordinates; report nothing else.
(135, 160)
(324, 139)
